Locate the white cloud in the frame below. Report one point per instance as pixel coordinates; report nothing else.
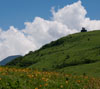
(14, 42)
(44, 31)
(66, 20)
(91, 24)
(71, 15)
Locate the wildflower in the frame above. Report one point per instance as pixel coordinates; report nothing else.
(86, 77)
(46, 84)
(66, 82)
(36, 88)
(40, 85)
(46, 80)
(61, 86)
(78, 81)
(43, 78)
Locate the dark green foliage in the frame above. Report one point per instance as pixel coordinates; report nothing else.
(31, 52)
(53, 43)
(67, 57)
(87, 61)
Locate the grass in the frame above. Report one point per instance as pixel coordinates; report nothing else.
(92, 69)
(71, 50)
(15, 78)
(71, 62)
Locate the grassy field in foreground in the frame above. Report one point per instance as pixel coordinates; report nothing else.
(19, 78)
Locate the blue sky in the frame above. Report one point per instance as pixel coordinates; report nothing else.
(16, 12)
(26, 25)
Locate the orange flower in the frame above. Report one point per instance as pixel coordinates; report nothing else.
(40, 85)
(86, 77)
(78, 81)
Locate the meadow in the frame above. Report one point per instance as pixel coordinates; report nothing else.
(71, 62)
(72, 50)
(25, 78)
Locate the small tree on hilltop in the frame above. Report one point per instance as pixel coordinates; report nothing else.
(83, 30)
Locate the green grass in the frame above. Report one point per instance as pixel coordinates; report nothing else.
(71, 62)
(70, 53)
(92, 69)
(15, 78)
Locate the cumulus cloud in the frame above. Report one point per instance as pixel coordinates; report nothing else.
(71, 15)
(44, 31)
(66, 20)
(14, 42)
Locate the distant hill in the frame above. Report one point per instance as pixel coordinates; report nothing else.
(8, 59)
(67, 52)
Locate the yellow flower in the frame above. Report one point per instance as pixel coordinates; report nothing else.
(61, 86)
(46, 84)
(36, 88)
(66, 82)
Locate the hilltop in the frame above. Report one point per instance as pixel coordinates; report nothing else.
(64, 54)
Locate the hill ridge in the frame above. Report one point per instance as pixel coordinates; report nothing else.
(74, 49)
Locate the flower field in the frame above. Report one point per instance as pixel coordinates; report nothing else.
(17, 78)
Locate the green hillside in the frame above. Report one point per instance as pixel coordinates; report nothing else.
(80, 50)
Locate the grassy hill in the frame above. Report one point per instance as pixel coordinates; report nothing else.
(68, 54)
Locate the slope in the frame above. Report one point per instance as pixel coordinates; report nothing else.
(72, 50)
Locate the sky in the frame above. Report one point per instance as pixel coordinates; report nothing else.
(16, 12)
(26, 25)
